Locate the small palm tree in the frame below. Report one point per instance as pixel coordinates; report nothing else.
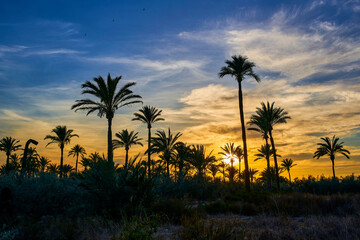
(32, 158)
(286, 164)
(77, 151)
(231, 173)
(62, 137)
(239, 153)
(9, 145)
(53, 168)
(199, 160)
(109, 100)
(43, 162)
(214, 169)
(252, 172)
(148, 115)
(223, 165)
(85, 162)
(182, 154)
(67, 169)
(126, 139)
(271, 116)
(229, 151)
(239, 67)
(331, 147)
(15, 162)
(165, 145)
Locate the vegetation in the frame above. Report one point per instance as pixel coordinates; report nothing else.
(171, 196)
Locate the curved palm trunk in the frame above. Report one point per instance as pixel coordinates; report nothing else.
(110, 150)
(241, 107)
(149, 146)
(77, 159)
(275, 160)
(333, 165)
(61, 161)
(126, 156)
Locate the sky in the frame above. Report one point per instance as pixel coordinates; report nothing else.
(307, 54)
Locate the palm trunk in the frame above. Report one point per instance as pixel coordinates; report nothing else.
(126, 156)
(7, 163)
(77, 159)
(333, 165)
(241, 107)
(275, 160)
(239, 169)
(149, 146)
(268, 164)
(289, 176)
(110, 149)
(61, 161)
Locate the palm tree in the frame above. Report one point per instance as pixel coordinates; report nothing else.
(199, 160)
(32, 158)
(213, 169)
(165, 145)
(229, 151)
(239, 153)
(53, 168)
(9, 145)
(331, 147)
(231, 173)
(271, 116)
(43, 162)
(239, 67)
(223, 165)
(288, 163)
(182, 154)
(252, 172)
(75, 151)
(62, 137)
(126, 140)
(85, 162)
(109, 100)
(15, 162)
(67, 169)
(148, 115)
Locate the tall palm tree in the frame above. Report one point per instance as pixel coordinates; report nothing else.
(229, 151)
(331, 147)
(109, 99)
(165, 145)
(75, 151)
(288, 163)
(199, 159)
(43, 162)
(9, 145)
(239, 67)
(271, 116)
(62, 137)
(126, 139)
(148, 115)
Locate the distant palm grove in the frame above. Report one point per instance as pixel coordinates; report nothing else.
(168, 168)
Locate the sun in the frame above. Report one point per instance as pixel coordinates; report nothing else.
(227, 159)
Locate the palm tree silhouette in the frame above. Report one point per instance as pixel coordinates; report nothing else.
(288, 163)
(62, 137)
(75, 151)
(9, 145)
(229, 151)
(182, 154)
(67, 169)
(126, 140)
(264, 152)
(271, 116)
(252, 173)
(43, 162)
(239, 153)
(239, 67)
(199, 160)
(165, 145)
(109, 100)
(331, 147)
(148, 115)
(213, 169)
(32, 158)
(53, 168)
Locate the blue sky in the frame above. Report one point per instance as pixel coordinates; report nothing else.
(307, 54)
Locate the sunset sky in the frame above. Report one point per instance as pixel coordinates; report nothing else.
(307, 54)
